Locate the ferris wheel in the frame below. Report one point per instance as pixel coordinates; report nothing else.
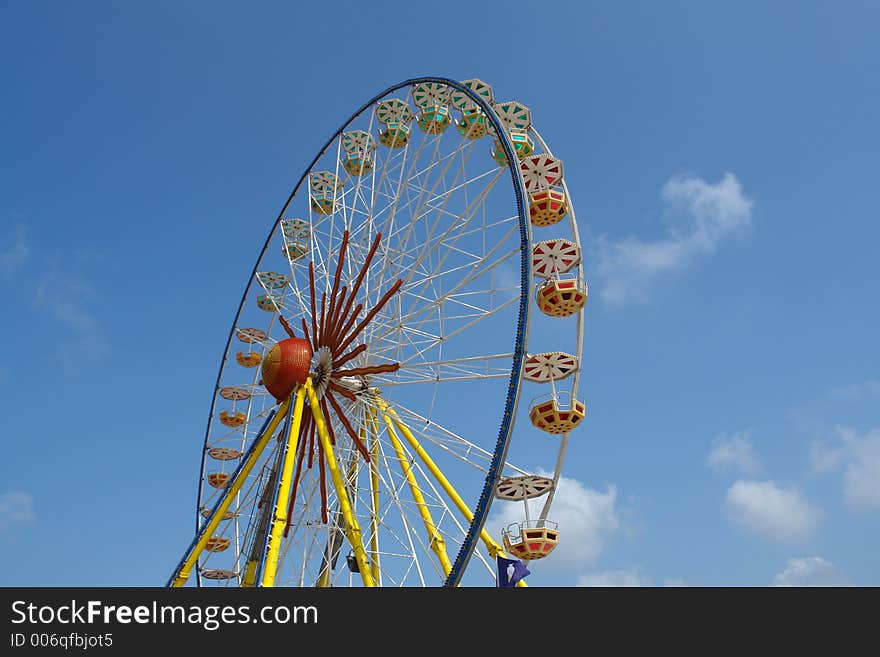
(423, 277)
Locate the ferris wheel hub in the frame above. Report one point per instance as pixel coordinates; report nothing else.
(322, 368)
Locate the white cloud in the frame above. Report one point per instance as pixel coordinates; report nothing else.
(718, 210)
(14, 256)
(703, 215)
(63, 297)
(810, 571)
(769, 510)
(735, 453)
(16, 509)
(587, 518)
(859, 455)
(613, 578)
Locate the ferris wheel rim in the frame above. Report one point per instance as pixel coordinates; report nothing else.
(495, 468)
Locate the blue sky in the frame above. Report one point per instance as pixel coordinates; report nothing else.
(723, 159)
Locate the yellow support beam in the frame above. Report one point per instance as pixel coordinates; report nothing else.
(250, 574)
(374, 489)
(438, 545)
(280, 518)
(232, 490)
(352, 529)
(495, 550)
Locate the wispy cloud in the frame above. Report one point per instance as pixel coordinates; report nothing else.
(64, 297)
(859, 456)
(16, 510)
(701, 216)
(734, 453)
(15, 255)
(811, 571)
(769, 510)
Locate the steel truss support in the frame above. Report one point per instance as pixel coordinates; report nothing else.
(184, 569)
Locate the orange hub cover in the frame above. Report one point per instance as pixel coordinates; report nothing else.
(286, 366)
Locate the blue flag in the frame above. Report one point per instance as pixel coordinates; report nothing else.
(510, 571)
